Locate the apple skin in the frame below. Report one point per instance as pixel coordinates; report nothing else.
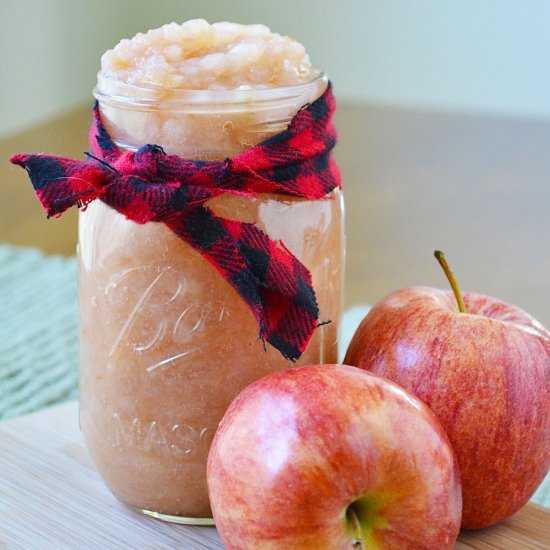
(297, 447)
(486, 375)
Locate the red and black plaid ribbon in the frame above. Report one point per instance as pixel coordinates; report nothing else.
(149, 185)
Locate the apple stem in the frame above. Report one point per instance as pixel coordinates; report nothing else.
(451, 278)
(356, 529)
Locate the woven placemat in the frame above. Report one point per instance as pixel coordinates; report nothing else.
(38, 330)
(38, 334)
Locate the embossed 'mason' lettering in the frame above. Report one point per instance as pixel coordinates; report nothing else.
(181, 440)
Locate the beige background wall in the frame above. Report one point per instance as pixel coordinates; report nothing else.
(489, 56)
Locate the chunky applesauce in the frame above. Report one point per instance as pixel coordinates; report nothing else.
(166, 341)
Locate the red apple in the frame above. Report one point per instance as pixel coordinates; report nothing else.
(329, 456)
(484, 372)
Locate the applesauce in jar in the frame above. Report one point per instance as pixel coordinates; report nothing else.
(166, 341)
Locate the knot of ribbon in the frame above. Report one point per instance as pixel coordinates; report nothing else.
(149, 185)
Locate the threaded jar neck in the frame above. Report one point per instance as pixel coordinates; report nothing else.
(200, 124)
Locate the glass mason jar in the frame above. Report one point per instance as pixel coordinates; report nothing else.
(166, 342)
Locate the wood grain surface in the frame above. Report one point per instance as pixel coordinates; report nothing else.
(477, 187)
(52, 498)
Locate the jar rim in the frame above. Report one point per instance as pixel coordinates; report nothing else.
(141, 96)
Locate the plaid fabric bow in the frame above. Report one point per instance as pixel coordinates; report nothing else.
(149, 185)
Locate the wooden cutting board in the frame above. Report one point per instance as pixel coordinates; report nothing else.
(52, 498)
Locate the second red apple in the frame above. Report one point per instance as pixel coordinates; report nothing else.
(486, 375)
